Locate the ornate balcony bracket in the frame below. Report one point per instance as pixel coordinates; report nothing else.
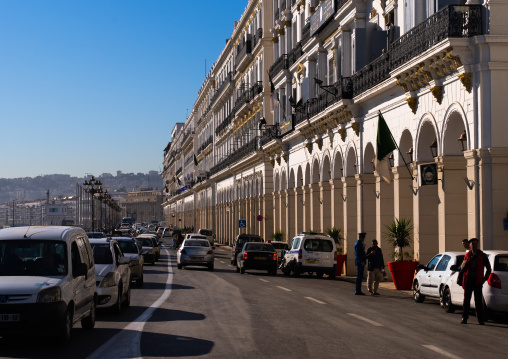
(413, 103)
(342, 133)
(356, 127)
(437, 91)
(466, 80)
(285, 157)
(330, 137)
(278, 160)
(319, 143)
(309, 146)
(272, 162)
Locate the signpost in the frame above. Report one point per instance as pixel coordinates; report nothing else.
(242, 223)
(259, 218)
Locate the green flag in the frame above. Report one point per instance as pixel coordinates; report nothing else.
(385, 145)
(195, 160)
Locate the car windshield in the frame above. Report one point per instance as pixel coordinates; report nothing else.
(128, 247)
(101, 253)
(318, 245)
(279, 245)
(33, 257)
(501, 263)
(263, 247)
(95, 235)
(242, 240)
(205, 232)
(196, 243)
(147, 242)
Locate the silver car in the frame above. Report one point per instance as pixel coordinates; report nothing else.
(130, 249)
(195, 251)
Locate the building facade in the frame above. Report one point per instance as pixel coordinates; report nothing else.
(436, 70)
(145, 205)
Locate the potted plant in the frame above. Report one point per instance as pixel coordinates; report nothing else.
(337, 237)
(278, 236)
(403, 267)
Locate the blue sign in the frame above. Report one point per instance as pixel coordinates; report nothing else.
(505, 223)
(242, 223)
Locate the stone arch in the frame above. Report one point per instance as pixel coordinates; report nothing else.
(405, 144)
(454, 124)
(368, 158)
(299, 177)
(283, 181)
(292, 180)
(315, 171)
(351, 162)
(338, 165)
(307, 178)
(326, 168)
(426, 134)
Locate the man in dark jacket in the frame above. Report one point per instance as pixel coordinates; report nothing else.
(360, 260)
(376, 267)
(472, 266)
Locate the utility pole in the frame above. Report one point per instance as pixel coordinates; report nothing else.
(13, 213)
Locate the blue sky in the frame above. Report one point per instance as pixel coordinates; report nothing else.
(94, 86)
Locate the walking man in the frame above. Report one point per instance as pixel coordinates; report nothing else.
(473, 280)
(465, 243)
(376, 267)
(360, 260)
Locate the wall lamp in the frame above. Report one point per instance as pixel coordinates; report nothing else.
(433, 148)
(410, 154)
(295, 105)
(463, 141)
(325, 88)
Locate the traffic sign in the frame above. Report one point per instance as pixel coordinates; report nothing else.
(242, 223)
(259, 218)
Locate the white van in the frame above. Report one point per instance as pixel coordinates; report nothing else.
(47, 281)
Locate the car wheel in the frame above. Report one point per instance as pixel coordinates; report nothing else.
(319, 274)
(117, 308)
(487, 313)
(179, 266)
(128, 298)
(296, 270)
(140, 281)
(237, 269)
(242, 270)
(447, 301)
(66, 327)
(286, 271)
(332, 273)
(210, 267)
(417, 296)
(274, 272)
(89, 322)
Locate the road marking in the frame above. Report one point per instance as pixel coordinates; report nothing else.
(376, 324)
(315, 300)
(283, 288)
(441, 351)
(127, 343)
(263, 280)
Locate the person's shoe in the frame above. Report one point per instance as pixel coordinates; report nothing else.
(481, 322)
(463, 321)
(359, 293)
(370, 291)
(375, 293)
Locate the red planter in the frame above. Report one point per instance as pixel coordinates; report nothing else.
(341, 258)
(403, 274)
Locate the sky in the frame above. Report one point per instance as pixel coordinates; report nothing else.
(96, 86)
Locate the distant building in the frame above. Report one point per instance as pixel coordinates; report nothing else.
(144, 204)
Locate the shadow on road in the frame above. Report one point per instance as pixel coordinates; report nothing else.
(160, 315)
(161, 345)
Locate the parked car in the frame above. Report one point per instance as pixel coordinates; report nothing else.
(96, 235)
(495, 290)
(311, 253)
(129, 248)
(431, 278)
(208, 233)
(156, 244)
(195, 251)
(43, 272)
(240, 241)
(280, 247)
(147, 248)
(168, 232)
(260, 256)
(113, 274)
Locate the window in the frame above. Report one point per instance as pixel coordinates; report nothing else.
(433, 262)
(296, 243)
(318, 245)
(501, 264)
(102, 253)
(443, 264)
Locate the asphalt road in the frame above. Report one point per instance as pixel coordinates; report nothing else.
(223, 314)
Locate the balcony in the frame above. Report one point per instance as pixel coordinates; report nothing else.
(219, 89)
(243, 52)
(205, 144)
(280, 64)
(371, 75)
(225, 123)
(305, 34)
(236, 156)
(256, 39)
(295, 54)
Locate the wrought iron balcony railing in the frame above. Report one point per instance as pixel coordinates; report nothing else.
(257, 37)
(295, 54)
(227, 80)
(225, 123)
(242, 50)
(280, 64)
(205, 144)
(236, 156)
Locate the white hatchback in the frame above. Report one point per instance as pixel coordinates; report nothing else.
(495, 290)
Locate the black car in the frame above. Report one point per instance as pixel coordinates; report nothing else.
(240, 242)
(254, 255)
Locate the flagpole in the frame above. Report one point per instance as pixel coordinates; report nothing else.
(396, 145)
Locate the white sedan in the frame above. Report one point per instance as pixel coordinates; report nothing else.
(495, 290)
(196, 251)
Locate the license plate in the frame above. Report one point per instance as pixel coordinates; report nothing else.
(311, 262)
(196, 258)
(9, 317)
(260, 258)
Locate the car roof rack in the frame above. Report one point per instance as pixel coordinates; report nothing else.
(315, 234)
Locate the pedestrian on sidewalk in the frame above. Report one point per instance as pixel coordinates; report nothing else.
(375, 267)
(465, 243)
(473, 264)
(360, 260)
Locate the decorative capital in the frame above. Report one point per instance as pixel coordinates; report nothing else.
(413, 103)
(466, 80)
(356, 127)
(281, 32)
(278, 160)
(287, 23)
(342, 133)
(285, 157)
(275, 40)
(312, 9)
(309, 146)
(437, 91)
(272, 162)
(319, 143)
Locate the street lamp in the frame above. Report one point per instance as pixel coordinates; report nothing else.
(93, 187)
(325, 88)
(433, 148)
(463, 141)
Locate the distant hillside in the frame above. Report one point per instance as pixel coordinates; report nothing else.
(28, 188)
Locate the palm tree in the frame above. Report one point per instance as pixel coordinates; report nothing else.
(399, 235)
(278, 236)
(335, 234)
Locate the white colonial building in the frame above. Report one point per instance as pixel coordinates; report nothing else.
(437, 71)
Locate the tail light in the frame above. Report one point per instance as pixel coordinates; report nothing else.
(245, 256)
(299, 254)
(494, 281)
(183, 251)
(275, 256)
(209, 252)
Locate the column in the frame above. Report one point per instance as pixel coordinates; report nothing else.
(290, 217)
(307, 225)
(326, 206)
(315, 207)
(473, 205)
(369, 205)
(276, 211)
(345, 55)
(282, 208)
(337, 204)
(384, 213)
(268, 222)
(350, 222)
(298, 209)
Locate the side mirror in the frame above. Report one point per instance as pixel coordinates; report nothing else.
(455, 268)
(421, 266)
(80, 270)
(124, 260)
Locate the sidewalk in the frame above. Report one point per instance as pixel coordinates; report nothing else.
(386, 287)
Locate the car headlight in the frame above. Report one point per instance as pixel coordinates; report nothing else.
(49, 295)
(108, 281)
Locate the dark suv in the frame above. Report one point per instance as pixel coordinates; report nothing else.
(240, 241)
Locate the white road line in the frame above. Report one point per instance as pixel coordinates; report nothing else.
(315, 300)
(441, 351)
(376, 324)
(283, 288)
(127, 343)
(263, 280)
